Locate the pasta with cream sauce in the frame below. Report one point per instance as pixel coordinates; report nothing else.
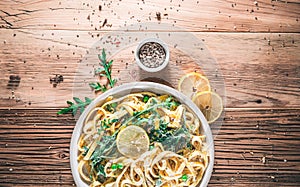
(169, 148)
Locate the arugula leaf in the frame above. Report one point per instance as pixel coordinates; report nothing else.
(74, 107)
(100, 170)
(96, 86)
(107, 149)
(177, 141)
(104, 71)
(154, 105)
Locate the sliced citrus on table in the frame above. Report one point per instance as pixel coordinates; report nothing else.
(192, 83)
(132, 141)
(210, 104)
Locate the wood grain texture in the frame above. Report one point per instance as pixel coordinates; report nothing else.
(34, 148)
(260, 70)
(257, 47)
(194, 15)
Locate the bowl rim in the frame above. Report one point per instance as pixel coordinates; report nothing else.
(160, 42)
(145, 86)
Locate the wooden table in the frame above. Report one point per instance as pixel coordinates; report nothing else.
(256, 43)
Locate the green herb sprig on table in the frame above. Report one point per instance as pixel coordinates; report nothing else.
(103, 71)
(75, 106)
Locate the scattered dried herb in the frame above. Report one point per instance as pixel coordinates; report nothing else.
(14, 81)
(56, 80)
(158, 16)
(104, 23)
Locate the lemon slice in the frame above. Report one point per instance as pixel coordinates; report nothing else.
(132, 141)
(210, 105)
(192, 83)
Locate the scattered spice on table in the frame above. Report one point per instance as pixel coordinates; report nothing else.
(158, 16)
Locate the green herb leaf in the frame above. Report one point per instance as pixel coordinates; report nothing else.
(100, 170)
(99, 70)
(177, 140)
(114, 120)
(96, 86)
(106, 123)
(77, 100)
(104, 71)
(88, 99)
(86, 150)
(111, 107)
(74, 107)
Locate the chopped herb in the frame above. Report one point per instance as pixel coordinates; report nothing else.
(75, 106)
(171, 104)
(189, 145)
(111, 107)
(97, 165)
(86, 150)
(114, 120)
(106, 123)
(100, 170)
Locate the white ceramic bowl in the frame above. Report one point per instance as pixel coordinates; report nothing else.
(132, 88)
(156, 69)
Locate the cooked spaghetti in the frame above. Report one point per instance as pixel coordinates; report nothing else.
(175, 153)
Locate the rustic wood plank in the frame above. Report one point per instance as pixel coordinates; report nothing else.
(204, 15)
(256, 147)
(260, 70)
